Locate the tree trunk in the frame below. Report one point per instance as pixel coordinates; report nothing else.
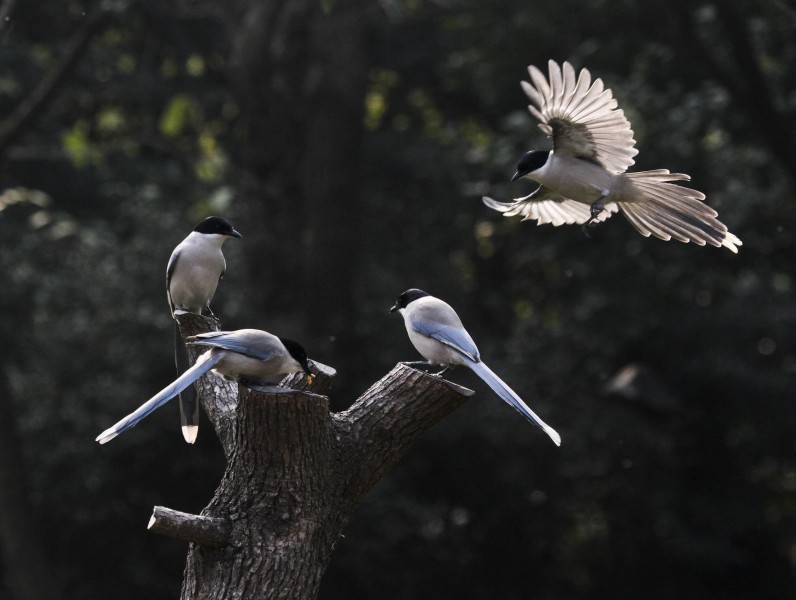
(295, 472)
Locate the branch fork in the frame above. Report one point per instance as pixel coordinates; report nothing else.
(295, 473)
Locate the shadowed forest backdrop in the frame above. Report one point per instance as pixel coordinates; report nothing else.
(350, 142)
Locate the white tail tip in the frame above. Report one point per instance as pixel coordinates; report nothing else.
(553, 434)
(189, 432)
(106, 436)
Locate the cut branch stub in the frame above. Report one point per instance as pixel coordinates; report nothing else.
(207, 531)
(193, 324)
(387, 419)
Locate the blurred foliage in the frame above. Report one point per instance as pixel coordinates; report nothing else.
(668, 369)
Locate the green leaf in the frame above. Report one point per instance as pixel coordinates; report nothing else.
(180, 113)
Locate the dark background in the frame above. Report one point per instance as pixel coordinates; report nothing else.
(350, 142)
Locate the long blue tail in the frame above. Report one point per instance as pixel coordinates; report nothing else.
(203, 364)
(510, 397)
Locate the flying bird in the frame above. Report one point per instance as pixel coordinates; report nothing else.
(250, 356)
(437, 333)
(195, 267)
(583, 179)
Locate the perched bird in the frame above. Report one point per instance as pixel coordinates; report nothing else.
(192, 275)
(437, 333)
(583, 179)
(250, 356)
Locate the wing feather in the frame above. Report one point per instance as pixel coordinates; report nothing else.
(549, 208)
(436, 319)
(249, 342)
(582, 116)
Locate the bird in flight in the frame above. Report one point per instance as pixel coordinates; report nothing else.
(584, 178)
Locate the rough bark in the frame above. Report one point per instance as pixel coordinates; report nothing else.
(295, 472)
(207, 531)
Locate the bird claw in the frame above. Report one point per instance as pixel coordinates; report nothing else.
(596, 208)
(588, 227)
(423, 363)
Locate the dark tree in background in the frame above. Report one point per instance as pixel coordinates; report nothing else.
(299, 73)
(350, 142)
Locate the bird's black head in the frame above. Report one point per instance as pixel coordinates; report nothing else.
(530, 161)
(408, 296)
(217, 225)
(296, 351)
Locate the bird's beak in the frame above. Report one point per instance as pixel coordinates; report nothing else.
(517, 175)
(235, 233)
(394, 308)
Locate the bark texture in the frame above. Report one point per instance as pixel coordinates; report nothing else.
(207, 531)
(295, 472)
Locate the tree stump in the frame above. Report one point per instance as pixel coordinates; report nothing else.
(295, 473)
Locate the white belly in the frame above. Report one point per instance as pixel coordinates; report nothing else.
(192, 288)
(432, 350)
(577, 179)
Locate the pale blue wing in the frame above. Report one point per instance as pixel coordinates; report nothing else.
(455, 337)
(247, 342)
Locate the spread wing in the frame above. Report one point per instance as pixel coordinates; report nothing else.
(546, 206)
(582, 117)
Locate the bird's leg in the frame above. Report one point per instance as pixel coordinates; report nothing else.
(427, 364)
(596, 208)
(207, 312)
(266, 387)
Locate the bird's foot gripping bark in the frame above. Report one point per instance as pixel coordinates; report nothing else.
(424, 363)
